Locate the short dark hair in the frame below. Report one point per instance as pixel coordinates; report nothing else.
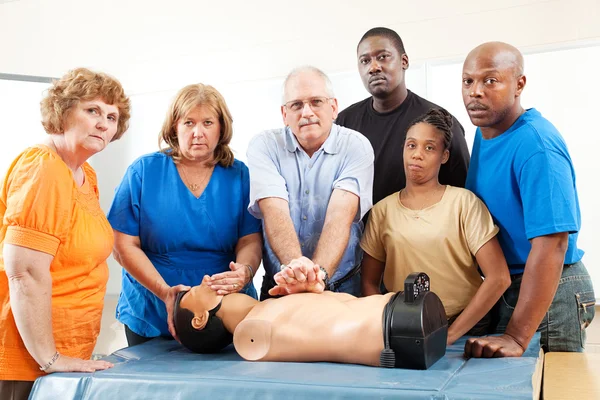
(386, 33)
(212, 339)
(440, 119)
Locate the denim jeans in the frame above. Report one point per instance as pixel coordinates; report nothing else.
(481, 328)
(571, 311)
(350, 285)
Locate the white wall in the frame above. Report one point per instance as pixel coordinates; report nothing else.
(246, 48)
(156, 45)
(20, 121)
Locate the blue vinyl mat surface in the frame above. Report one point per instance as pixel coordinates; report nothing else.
(163, 369)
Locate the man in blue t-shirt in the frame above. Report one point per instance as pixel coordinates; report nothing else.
(521, 168)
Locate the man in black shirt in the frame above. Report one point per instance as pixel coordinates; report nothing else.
(384, 117)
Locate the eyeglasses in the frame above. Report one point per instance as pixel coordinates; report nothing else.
(315, 103)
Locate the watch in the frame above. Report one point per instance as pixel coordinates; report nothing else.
(325, 278)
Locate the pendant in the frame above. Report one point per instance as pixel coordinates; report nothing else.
(193, 187)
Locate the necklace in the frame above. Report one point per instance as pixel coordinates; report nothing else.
(417, 212)
(195, 186)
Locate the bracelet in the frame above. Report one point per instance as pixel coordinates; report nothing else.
(251, 271)
(52, 361)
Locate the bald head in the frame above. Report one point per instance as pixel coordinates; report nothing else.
(493, 81)
(502, 55)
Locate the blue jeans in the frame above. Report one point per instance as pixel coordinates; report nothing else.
(350, 284)
(571, 311)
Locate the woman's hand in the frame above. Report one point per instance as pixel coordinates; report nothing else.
(231, 281)
(451, 337)
(69, 364)
(169, 300)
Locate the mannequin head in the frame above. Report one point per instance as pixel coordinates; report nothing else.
(196, 323)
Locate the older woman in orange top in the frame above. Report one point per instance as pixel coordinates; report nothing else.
(55, 238)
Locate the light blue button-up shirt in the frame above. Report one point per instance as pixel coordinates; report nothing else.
(279, 167)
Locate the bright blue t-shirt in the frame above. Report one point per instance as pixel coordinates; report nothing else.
(184, 237)
(526, 178)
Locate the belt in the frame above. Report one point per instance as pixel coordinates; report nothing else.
(334, 285)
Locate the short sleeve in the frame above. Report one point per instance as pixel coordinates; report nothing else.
(547, 189)
(372, 242)
(124, 213)
(247, 224)
(477, 222)
(356, 175)
(265, 178)
(39, 194)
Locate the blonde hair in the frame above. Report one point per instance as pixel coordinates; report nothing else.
(188, 98)
(81, 84)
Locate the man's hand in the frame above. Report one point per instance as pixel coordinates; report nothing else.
(301, 275)
(493, 346)
(298, 270)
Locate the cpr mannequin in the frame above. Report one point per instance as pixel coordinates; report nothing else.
(310, 325)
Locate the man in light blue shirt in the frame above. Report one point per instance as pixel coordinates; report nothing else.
(311, 183)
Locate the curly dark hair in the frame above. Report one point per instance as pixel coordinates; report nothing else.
(440, 119)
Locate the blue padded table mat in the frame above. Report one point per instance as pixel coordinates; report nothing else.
(163, 369)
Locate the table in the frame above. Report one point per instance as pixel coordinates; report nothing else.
(163, 369)
(572, 376)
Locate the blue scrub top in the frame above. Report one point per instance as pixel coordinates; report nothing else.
(184, 237)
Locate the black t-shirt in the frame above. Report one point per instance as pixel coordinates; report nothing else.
(387, 132)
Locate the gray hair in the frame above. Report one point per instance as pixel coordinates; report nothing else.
(308, 68)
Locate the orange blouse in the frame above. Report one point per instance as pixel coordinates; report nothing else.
(42, 208)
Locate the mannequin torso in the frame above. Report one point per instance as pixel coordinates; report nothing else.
(334, 327)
